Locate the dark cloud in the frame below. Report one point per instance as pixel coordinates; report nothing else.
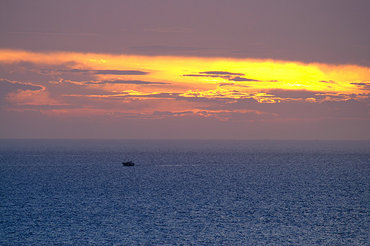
(126, 95)
(129, 82)
(363, 85)
(41, 73)
(158, 95)
(220, 73)
(243, 79)
(208, 76)
(112, 72)
(225, 75)
(7, 86)
(197, 75)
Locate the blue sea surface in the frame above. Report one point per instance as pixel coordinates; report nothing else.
(182, 192)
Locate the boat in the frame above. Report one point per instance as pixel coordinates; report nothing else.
(128, 164)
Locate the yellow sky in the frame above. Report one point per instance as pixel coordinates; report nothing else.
(199, 77)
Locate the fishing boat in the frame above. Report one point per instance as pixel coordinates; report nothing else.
(128, 164)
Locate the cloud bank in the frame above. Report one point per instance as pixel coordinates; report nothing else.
(222, 92)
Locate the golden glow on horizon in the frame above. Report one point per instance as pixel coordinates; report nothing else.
(165, 77)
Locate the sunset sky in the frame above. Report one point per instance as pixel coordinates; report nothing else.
(204, 69)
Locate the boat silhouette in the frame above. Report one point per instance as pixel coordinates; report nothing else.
(128, 164)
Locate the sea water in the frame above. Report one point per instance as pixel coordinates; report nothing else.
(76, 192)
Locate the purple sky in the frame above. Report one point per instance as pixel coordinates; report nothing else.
(330, 31)
(313, 31)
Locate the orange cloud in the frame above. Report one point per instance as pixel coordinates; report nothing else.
(147, 84)
(30, 97)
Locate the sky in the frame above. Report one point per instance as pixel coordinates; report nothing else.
(204, 69)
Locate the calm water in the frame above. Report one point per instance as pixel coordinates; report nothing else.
(184, 192)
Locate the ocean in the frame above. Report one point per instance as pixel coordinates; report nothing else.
(184, 192)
